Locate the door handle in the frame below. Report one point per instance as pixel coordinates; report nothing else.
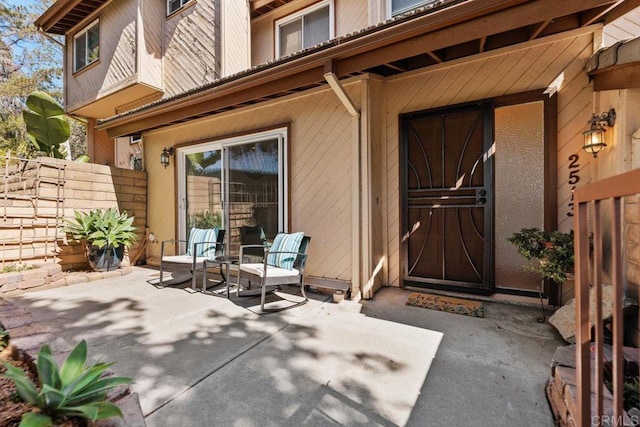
(481, 201)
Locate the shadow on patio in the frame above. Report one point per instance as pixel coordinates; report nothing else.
(199, 359)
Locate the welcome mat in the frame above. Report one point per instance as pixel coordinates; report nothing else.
(447, 304)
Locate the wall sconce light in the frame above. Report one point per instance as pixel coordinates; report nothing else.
(594, 136)
(164, 156)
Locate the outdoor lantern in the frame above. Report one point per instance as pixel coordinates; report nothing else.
(164, 156)
(594, 136)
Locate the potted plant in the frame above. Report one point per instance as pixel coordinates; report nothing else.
(552, 249)
(105, 235)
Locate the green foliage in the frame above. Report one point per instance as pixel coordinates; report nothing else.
(553, 250)
(76, 389)
(29, 61)
(205, 219)
(15, 268)
(46, 123)
(4, 337)
(102, 228)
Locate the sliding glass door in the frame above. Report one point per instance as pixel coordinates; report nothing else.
(238, 184)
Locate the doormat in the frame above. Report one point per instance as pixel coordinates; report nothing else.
(447, 304)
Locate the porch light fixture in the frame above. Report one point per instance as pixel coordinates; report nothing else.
(164, 156)
(594, 136)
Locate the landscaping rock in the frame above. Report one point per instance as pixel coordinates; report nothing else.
(564, 319)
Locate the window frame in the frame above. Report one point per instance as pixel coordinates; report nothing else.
(300, 14)
(391, 14)
(79, 34)
(279, 133)
(183, 3)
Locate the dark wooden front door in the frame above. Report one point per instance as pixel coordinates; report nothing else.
(447, 199)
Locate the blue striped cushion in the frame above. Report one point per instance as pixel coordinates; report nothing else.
(199, 235)
(285, 243)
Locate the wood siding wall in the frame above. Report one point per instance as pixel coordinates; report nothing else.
(374, 114)
(350, 16)
(150, 23)
(117, 64)
(130, 54)
(235, 37)
(531, 66)
(625, 27)
(320, 146)
(191, 40)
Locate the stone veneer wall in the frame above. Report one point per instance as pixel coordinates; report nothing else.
(50, 275)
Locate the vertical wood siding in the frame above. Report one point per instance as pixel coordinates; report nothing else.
(533, 66)
(117, 64)
(191, 40)
(320, 142)
(350, 16)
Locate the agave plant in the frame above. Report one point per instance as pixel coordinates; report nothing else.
(76, 389)
(102, 228)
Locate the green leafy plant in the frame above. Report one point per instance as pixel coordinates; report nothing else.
(102, 228)
(205, 219)
(76, 389)
(46, 123)
(14, 268)
(552, 249)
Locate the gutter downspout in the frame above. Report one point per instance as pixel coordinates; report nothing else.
(344, 98)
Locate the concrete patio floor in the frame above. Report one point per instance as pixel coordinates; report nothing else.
(201, 360)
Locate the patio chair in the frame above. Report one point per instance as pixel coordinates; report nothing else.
(203, 244)
(282, 264)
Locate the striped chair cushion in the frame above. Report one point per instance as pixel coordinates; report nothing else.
(199, 235)
(284, 243)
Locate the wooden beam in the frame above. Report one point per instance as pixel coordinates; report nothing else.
(597, 14)
(56, 12)
(434, 56)
(271, 4)
(342, 95)
(624, 77)
(395, 67)
(537, 29)
(620, 10)
(523, 15)
(482, 43)
(460, 23)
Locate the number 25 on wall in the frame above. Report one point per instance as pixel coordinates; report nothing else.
(574, 178)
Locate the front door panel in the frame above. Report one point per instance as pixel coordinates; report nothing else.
(447, 199)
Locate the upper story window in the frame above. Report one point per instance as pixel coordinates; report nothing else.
(86, 46)
(173, 5)
(304, 29)
(401, 6)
